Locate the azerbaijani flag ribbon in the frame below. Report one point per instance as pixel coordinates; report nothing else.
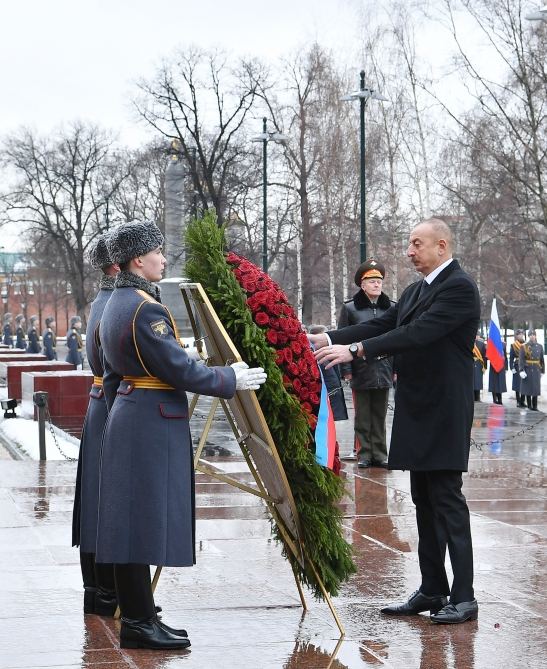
(325, 430)
(494, 347)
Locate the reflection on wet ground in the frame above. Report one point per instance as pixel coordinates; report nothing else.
(240, 603)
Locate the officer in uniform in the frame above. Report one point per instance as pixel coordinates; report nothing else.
(497, 384)
(514, 361)
(532, 366)
(98, 579)
(479, 365)
(33, 336)
(49, 339)
(20, 338)
(371, 379)
(75, 343)
(146, 496)
(8, 329)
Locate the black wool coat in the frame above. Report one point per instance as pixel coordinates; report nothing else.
(431, 339)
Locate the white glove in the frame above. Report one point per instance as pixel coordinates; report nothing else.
(248, 378)
(192, 353)
(523, 374)
(513, 371)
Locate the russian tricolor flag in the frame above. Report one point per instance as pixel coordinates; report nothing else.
(325, 430)
(494, 347)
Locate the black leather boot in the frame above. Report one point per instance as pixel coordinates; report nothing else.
(106, 602)
(89, 599)
(149, 633)
(172, 630)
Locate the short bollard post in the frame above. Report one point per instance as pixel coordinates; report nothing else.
(40, 402)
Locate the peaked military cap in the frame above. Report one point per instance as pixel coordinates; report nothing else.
(130, 240)
(370, 269)
(98, 252)
(517, 332)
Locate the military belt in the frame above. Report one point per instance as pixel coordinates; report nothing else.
(150, 382)
(532, 362)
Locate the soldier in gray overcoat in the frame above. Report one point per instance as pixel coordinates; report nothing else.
(146, 494)
(514, 357)
(21, 340)
(497, 384)
(49, 339)
(74, 343)
(33, 336)
(98, 579)
(8, 329)
(532, 366)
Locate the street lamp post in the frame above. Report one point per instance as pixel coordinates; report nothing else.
(363, 95)
(266, 137)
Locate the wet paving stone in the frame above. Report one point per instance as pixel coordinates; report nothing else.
(240, 603)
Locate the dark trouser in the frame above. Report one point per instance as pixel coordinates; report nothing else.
(134, 590)
(370, 423)
(477, 395)
(442, 517)
(497, 398)
(96, 575)
(532, 401)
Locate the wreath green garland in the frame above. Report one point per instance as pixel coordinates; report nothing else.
(316, 490)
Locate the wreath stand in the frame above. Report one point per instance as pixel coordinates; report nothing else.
(251, 431)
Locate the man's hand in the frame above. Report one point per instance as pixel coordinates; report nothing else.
(318, 340)
(333, 355)
(523, 374)
(348, 377)
(513, 370)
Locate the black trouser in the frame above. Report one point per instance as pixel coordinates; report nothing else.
(497, 398)
(477, 395)
(532, 401)
(96, 575)
(134, 590)
(442, 517)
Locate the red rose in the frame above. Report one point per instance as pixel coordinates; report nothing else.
(304, 393)
(248, 284)
(282, 338)
(296, 347)
(253, 303)
(314, 399)
(272, 337)
(279, 358)
(307, 407)
(262, 318)
(297, 385)
(287, 354)
(292, 368)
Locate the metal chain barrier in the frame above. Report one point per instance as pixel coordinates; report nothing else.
(49, 422)
(479, 444)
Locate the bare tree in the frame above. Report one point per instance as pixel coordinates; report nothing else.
(62, 186)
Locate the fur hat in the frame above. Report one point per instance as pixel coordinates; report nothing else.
(19, 318)
(7, 317)
(517, 332)
(49, 321)
(370, 269)
(98, 252)
(130, 240)
(33, 319)
(74, 320)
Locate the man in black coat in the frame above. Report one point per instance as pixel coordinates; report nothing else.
(430, 332)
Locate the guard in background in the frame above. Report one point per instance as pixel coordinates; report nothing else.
(532, 366)
(33, 336)
(479, 365)
(370, 379)
(20, 338)
(49, 339)
(98, 579)
(496, 380)
(514, 366)
(146, 496)
(8, 329)
(75, 343)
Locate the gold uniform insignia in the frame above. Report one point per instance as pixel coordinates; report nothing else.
(159, 328)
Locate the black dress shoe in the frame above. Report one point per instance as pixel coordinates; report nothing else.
(416, 603)
(380, 463)
(172, 630)
(149, 634)
(457, 613)
(364, 464)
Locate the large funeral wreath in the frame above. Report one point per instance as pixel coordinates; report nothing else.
(267, 333)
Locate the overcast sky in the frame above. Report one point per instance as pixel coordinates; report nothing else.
(67, 59)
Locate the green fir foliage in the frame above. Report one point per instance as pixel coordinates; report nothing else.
(316, 490)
